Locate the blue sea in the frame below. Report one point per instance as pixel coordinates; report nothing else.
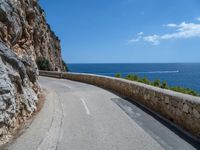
(176, 74)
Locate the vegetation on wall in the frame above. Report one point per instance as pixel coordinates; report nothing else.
(159, 84)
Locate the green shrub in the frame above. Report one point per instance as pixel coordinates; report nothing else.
(118, 75)
(185, 90)
(128, 77)
(145, 80)
(43, 64)
(132, 77)
(65, 67)
(135, 78)
(164, 85)
(156, 83)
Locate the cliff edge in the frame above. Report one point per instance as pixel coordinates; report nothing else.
(25, 36)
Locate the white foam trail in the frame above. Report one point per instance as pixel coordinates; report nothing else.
(175, 71)
(148, 72)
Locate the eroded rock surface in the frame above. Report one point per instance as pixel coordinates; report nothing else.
(24, 37)
(23, 29)
(18, 95)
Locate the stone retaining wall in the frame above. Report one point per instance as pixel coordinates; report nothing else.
(52, 74)
(181, 109)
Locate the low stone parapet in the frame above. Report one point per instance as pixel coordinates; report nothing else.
(52, 74)
(181, 109)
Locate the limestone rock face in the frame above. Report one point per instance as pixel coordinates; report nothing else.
(23, 29)
(24, 37)
(18, 95)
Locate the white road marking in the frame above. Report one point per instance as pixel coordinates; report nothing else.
(85, 105)
(69, 87)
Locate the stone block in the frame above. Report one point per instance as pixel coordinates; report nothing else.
(185, 108)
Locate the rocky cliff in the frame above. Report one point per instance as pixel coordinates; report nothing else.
(24, 37)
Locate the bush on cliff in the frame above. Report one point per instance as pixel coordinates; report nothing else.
(43, 64)
(65, 67)
(132, 77)
(144, 80)
(164, 85)
(157, 83)
(118, 75)
(185, 90)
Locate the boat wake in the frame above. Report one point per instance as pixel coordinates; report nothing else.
(145, 72)
(175, 71)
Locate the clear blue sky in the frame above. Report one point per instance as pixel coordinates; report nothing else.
(126, 31)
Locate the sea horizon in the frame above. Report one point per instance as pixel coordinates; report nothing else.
(137, 63)
(175, 74)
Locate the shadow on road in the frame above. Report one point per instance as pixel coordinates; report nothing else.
(163, 131)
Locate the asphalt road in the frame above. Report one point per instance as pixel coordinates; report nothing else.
(79, 116)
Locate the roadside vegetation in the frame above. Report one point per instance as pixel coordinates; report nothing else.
(43, 64)
(118, 75)
(158, 83)
(65, 67)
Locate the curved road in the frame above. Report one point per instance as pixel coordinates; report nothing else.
(79, 116)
